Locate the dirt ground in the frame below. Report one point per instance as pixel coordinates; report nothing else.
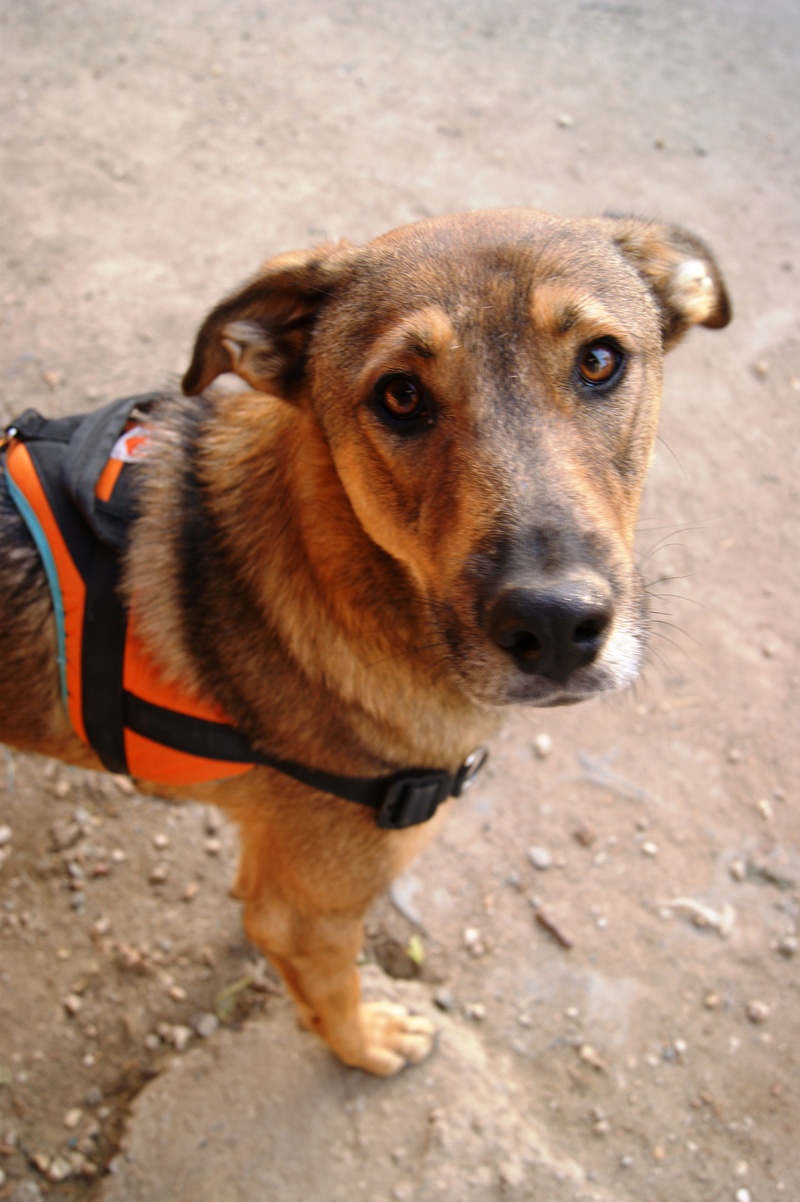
(622, 1021)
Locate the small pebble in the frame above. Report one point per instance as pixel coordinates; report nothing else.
(591, 1056)
(743, 1195)
(160, 841)
(72, 1004)
(94, 1097)
(543, 746)
(181, 1037)
(65, 835)
(177, 993)
(191, 891)
(565, 121)
(445, 999)
(212, 821)
(159, 874)
(649, 848)
(6, 835)
(738, 870)
(761, 369)
(72, 1118)
(757, 1012)
(585, 834)
(59, 1170)
(765, 808)
(787, 946)
(206, 1025)
(473, 942)
(213, 846)
(476, 1011)
(53, 378)
(540, 858)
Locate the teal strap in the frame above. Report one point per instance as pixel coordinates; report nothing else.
(43, 547)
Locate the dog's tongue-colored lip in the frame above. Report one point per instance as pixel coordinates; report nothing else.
(547, 695)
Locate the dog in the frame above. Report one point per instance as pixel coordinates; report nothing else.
(416, 509)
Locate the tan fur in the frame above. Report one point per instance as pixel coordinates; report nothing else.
(344, 602)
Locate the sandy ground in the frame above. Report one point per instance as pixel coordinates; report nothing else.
(151, 156)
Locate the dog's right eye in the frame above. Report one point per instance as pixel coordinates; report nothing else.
(401, 400)
(600, 363)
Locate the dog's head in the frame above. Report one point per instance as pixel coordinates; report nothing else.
(488, 386)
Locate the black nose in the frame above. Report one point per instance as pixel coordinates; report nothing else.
(553, 628)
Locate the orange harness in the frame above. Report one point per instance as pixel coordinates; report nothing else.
(79, 571)
(74, 482)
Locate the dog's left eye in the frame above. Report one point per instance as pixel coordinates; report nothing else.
(599, 363)
(401, 399)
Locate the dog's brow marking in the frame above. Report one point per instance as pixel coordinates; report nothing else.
(557, 310)
(424, 335)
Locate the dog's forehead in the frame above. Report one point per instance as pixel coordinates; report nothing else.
(510, 263)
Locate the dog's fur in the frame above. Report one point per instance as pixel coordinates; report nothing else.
(363, 591)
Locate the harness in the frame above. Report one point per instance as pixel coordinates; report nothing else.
(75, 483)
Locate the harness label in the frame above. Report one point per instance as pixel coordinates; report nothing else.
(131, 446)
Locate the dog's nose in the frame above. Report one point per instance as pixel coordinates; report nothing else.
(553, 628)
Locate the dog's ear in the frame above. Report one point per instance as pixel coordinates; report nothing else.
(262, 331)
(680, 272)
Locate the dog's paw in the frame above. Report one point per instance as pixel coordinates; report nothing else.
(393, 1038)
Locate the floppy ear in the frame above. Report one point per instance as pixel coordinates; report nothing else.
(262, 332)
(680, 272)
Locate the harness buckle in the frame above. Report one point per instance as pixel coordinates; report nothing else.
(413, 798)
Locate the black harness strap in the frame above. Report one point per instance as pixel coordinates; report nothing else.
(401, 799)
(105, 625)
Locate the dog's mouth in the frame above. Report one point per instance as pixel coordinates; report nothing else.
(550, 642)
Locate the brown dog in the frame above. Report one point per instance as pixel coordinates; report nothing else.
(422, 510)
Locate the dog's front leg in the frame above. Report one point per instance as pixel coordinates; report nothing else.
(306, 915)
(316, 957)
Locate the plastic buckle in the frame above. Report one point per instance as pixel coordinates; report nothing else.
(410, 800)
(415, 797)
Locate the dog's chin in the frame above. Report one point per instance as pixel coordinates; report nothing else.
(512, 687)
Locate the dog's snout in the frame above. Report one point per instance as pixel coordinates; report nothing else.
(553, 628)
